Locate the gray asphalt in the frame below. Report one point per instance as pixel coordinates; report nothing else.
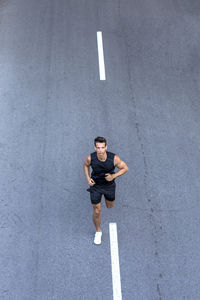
(52, 105)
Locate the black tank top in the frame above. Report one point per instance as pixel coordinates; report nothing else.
(100, 168)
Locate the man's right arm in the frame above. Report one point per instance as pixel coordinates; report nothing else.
(86, 168)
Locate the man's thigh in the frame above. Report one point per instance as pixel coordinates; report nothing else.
(95, 196)
(109, 192)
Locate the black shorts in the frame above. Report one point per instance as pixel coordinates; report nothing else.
(96, 192)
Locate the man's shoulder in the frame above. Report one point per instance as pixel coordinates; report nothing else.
(93, 155)
(110, 154)
(88, 158)
(116, 159)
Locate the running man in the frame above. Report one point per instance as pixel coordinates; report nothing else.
(102, 180)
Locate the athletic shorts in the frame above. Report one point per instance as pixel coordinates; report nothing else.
(96, 192)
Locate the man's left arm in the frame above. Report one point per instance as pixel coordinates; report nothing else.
(120, 164)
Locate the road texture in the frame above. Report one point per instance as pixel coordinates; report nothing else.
(52, 106)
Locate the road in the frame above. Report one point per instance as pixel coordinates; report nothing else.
(52, 106)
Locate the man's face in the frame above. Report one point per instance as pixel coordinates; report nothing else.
(100, 148)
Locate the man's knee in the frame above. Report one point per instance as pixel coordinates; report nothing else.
(110, 204)
(97, 210)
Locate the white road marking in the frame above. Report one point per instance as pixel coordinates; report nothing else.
(117, 294)
(102, 73)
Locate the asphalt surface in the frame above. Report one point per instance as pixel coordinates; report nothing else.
(52, 106)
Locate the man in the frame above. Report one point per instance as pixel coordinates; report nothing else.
(102, 179)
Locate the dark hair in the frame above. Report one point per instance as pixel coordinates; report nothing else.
(100, 139)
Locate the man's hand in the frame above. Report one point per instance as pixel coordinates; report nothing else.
(91, 182)
(109, 177)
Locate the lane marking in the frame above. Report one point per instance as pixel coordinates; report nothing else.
(117, 294)
(102, 73)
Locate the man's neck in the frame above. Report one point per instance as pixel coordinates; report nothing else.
(102, 158)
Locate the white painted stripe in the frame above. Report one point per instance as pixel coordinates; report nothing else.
(102, 73)
(117, 294)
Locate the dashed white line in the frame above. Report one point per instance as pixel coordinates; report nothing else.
(117, 294)
(102, 73)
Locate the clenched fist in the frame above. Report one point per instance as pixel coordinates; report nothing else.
(91, 182)
(109, 177)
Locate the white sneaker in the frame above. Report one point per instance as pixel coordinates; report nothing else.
(97, 238)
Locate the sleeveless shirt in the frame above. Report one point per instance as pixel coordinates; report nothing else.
(100, 168)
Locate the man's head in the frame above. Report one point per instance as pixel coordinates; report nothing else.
(100, 145)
